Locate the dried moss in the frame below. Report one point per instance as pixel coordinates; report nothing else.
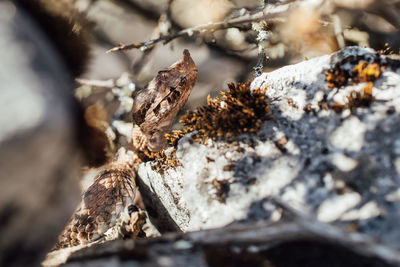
(165, 160)
(360, 99)
(336, 77)
(235, 112)
(356, 99)
(387, 50)
(160, 161)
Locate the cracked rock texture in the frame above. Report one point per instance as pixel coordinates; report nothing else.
(339, 167)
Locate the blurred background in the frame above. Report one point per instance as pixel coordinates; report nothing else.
(229, 54)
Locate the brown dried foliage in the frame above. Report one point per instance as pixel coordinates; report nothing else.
(235, 112)
(360, 99)
(355, 100)
(163, 161)
(387, 50)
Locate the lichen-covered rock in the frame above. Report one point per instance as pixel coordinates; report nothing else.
(331, 151)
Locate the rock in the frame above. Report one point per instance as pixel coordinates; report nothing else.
(39, 152)
(304, 242)
(331, 151)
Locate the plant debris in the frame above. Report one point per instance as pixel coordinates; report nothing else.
(355, 99)
(222, 188)
(164, 160)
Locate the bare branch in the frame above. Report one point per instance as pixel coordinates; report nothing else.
(163, 28)
(269, 13)
(337, 26)
(110, 83)
(259, 67)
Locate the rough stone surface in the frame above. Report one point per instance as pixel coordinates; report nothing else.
(341, 168)
(303, 242)
(39, 154)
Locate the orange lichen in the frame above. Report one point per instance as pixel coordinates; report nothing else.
(365, 72)
(162, 161)
(337, 76)
(235, 112)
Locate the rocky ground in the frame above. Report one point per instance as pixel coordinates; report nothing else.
(306, 174)
(338, 165)
(318, 185)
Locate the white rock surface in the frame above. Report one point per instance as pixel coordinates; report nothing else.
(338, 167)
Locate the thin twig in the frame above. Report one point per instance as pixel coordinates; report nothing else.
(337, 27)
(259, 67)
(267, 14)
(110, 83)
(163, 28)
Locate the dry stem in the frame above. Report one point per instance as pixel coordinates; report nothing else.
(268, 13)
